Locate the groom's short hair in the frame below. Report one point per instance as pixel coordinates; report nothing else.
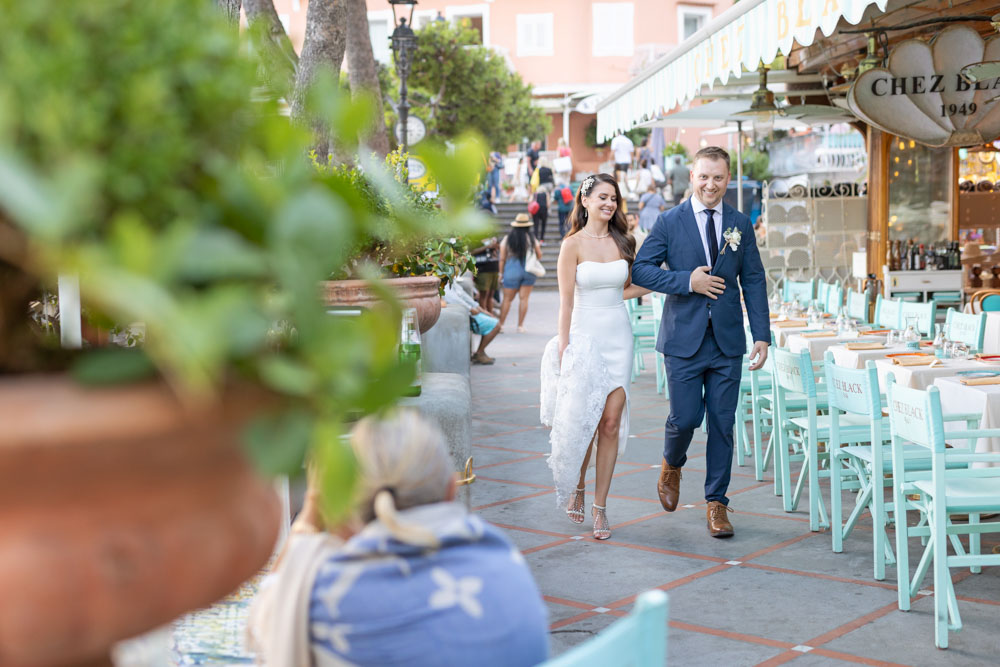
(712, 153)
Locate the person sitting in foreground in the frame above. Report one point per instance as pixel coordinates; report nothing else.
(423, 582)
(480, 322)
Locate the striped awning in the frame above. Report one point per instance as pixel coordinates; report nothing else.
(735, 41)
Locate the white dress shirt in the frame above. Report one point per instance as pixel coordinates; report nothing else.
(701, 218)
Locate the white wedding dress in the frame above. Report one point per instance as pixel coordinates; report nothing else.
(597, 361)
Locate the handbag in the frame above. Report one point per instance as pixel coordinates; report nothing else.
(533, 207)
(533, 266)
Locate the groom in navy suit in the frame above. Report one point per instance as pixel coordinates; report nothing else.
(712, 255)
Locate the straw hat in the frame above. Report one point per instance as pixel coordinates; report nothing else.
(522, 220)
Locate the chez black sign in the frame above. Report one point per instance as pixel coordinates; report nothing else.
(921, 95)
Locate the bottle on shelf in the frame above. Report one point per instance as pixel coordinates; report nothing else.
(904, 256)
(890, 257)
(914, 256)
(921, 258)
(931, 258)
(409, 347)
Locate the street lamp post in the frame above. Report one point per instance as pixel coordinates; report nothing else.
(404, 42)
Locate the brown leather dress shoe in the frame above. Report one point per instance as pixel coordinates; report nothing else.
(668, 486)
(718, 522)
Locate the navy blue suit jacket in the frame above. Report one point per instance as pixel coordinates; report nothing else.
(675, 239)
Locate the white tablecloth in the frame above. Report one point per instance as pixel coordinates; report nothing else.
(956, 398)
(858, 358)
(921, 377)
(781, 334)
(991, 340)
(818, 346)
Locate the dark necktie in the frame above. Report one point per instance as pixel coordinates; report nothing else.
(713, 240)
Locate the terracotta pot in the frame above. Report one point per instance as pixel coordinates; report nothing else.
(420, 292)
(119, 510)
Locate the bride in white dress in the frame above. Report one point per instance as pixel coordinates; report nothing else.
(587, 368)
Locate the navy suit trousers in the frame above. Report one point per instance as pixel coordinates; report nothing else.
(708, 382)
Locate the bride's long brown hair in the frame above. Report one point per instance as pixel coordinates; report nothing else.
(617, 225)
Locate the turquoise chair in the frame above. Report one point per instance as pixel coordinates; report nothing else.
(887, 312)
(857, 306)
(638, 640)
(834, 299)
(950, 487)
(822, 292)
(860, 468)
(966, 328)
(656, 301)
(643, 334)
(799, 432)
(990, 303)
(745, 410)
(801, 290)
(923, 311)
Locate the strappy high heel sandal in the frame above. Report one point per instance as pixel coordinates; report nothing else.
(602, 529)
(575, 508)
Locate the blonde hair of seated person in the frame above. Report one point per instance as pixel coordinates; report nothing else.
(403, 463)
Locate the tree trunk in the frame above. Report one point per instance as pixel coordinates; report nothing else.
(364, 71)
(323, 47)
(231, 10)
(275, 48)
(263, 10)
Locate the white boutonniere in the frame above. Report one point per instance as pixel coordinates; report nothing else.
(732, 238)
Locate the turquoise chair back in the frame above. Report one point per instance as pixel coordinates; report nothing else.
(801, 290)
(966, 328)
(990, 303)
(822, 290)
(907, 413)
(638, 640)
(834, 299)
(887, 312)
(793, 371)
(857, 305)
(924, 313)
(852, 390)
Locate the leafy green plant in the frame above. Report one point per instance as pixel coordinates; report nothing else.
(456, 85)
(137, 153)
(755, 164)
(675, 148)
(637, 135)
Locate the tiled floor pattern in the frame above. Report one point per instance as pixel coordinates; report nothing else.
(773, 594)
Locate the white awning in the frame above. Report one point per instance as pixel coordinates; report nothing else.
(740, 38)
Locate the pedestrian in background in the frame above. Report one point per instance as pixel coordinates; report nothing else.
(564, 206)
(651, 204)
(622, 149)
(516, 281)
(680, 179)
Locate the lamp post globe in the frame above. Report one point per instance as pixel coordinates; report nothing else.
(404, 42)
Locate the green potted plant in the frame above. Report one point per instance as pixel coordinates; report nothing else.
(135, 158)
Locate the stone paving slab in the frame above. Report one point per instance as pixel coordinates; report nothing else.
(773, 594)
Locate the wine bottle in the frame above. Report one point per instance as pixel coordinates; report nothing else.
(409, 348)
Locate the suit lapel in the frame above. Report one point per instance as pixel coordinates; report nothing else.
(691, 227)
(727, 215)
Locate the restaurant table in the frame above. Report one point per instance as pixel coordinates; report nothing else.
(922, 377)
(818, 346)
(858, 358)
(781, 334)
(957, 398)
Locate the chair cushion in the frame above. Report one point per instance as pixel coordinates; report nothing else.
(967, 494)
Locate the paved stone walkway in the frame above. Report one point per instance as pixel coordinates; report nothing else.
(774, 593)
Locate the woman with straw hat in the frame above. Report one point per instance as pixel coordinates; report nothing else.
(514, 278)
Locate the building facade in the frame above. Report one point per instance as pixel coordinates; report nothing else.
(573, 52)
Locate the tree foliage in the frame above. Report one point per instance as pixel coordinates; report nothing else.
(455, 85)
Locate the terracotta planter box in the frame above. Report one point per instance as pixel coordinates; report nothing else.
(419, 292)
(119, 511)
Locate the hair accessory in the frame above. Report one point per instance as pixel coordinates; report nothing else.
(390, 489)
(587, 185)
